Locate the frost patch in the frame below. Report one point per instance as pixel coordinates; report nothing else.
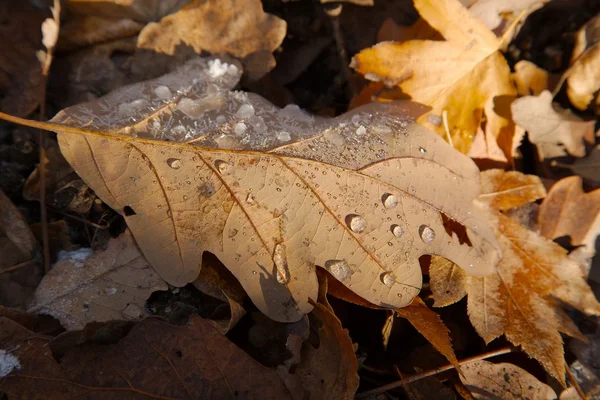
(217, 69)
(78, 255)
(8, 363)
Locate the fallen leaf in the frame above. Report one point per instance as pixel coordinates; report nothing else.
(568, 211)
(532, 80)
(492, 13)
(583, 80)
(155, 359)
(464, 75)
(550, 128)
(356, 2)
(328, 368)
(17, 246)
(518, 301)
(430, 325)
(108, 285)
(82, 31)
(20, 70)
(448, 282)
(505, 381)
(421, 30)
(277, 206)
(239, 28)
(138, 10)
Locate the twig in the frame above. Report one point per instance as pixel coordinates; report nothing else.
(574, 383)
(432, 372)
(16, 267)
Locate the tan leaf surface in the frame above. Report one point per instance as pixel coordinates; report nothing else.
(328, 370)
(111, 284)
(430, 325)
(505, 381)
(286, 198)
(518, 301)
(449, 285)
(155, 360)
(139, 10)
(583, 80)
(568, 211)
(504, 190)
(464, 75)
(532, 80)
(239, 28)
(551, 129)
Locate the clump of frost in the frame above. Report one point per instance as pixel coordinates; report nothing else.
(217, 69)
(8, 363)
(76, 255)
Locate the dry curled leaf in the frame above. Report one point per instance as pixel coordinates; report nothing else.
(464, 76)
(154, 360)
(550, 128)
(111, 284)
(272, 192)
(239, 28)
(519, 299)
(505, 381)
(568, 211)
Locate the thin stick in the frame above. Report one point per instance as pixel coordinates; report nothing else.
(574, 383)
(432, 372)
(15, 267)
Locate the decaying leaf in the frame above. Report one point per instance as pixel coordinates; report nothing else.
(273, 192)
(583, 80)
(154, 360)
(20, 270)
(239, 28)
(464, 76)
(518, 301)
(328, 368)
(506, 381)
(568, 211)
(550, 128)
(138, 10)
(108, 285)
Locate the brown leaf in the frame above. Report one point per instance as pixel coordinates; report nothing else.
(84, 31)
(111, 284)
(504, 190)
(20, 70)
(139, 10)
(518, 300)
(551, 128)
(430, 325)
(328, 368)
(17, 246)
(285, 199)
(154, 360)
(239, 28)
(449, 285)
(487, 380)
(568, 211)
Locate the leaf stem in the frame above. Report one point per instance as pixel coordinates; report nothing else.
(425, 374)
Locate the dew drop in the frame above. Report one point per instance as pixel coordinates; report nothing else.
(422, 150)
(284, 136)
(280, 260)
(223, 167)
(174, 163)
(250, 199)
(356, 223)
(338, 268)
(427, 234)
(388, 278)
(110, 291)
(389, 200)
(227, 142)
(361, 130)
(254, 272)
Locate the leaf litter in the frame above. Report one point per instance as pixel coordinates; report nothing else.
(133, 144)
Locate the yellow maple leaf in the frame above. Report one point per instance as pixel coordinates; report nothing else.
(464, 77)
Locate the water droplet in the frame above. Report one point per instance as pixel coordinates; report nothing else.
(240, 128)
(254, 272)
(361, 130)
(388, 278)
(133, 179)
(280, 260)
(356, 223)
(339, 269)
(399, 295)
(250, 199)
(389, 200)
(397, 230)
(223, 167)
(245, 111)
(422, 150)
(110, 291)
(163, 92)
(427, 234)
(284, 136)
(174, 163)
(132, 312)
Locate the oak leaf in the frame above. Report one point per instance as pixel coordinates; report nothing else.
(464, 76)
(273, 192)
(109, 285)
(506, 381)
(519, 300)
(154, 360)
